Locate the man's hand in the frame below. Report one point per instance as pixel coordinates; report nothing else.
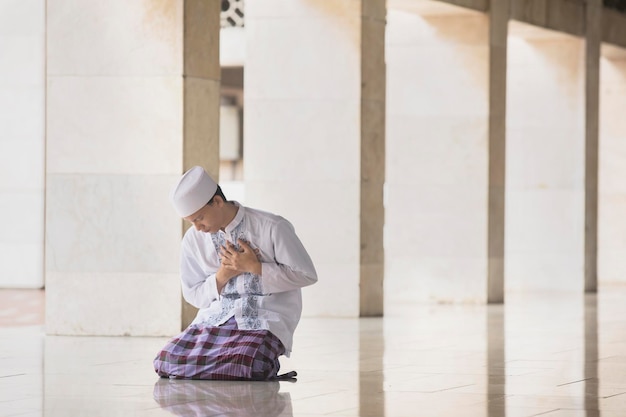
(242, 260)
(223, 275)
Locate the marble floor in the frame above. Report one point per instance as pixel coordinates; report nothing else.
(540, 355)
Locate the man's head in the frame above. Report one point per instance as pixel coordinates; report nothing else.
(199, 200)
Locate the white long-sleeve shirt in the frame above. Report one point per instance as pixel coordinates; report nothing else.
(272, 300)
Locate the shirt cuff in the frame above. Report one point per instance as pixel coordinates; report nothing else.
(212, 286)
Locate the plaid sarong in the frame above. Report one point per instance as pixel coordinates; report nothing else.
(224, 353)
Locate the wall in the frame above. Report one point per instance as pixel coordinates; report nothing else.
(612, 200)
(545, 161)
(302, 135)
(22, 143)
(437, 154)
(114, 149)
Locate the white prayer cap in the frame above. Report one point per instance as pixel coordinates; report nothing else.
(193, 191)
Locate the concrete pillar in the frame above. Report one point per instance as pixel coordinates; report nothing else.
(545, 194)
(22, 145)
(612, 196)
(593, 18)
(372, 181)
(498, 34)
(201, 97)
(314, 139)
(442, 185)
(132, 102)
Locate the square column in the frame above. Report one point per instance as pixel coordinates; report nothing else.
(22, 143)
(314, 139)
(132, 101)
(498, 35)
(372, 181)
(593, 36)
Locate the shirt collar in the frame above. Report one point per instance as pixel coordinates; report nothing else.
(237, 219)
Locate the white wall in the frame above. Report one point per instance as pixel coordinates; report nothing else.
(233, 46)
(302, 135)
(22, 143)
(437, 127)
(612, 184)
(544, 243)
(114, 149)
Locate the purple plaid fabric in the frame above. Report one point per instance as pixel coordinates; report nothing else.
(224, 353)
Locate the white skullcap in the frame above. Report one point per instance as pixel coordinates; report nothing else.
(193, 191)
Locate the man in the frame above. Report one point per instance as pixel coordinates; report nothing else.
(243, 268)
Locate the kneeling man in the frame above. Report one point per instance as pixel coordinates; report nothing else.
(243, 268)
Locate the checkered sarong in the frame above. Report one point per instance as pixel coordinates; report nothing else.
(224, 353)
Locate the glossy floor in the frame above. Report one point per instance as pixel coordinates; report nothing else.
(542, 354)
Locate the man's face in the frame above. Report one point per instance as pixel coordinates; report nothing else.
(207, 219)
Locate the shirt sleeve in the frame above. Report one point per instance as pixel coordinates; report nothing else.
(292, 267)
(199, 289)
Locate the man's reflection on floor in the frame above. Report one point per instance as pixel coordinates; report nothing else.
(231, 398)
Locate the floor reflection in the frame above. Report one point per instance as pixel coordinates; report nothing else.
(371, 368)
(496, 367)
(590, 363)
(540, 354)
(233, 398)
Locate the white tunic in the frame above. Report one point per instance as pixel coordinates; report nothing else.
(271, 301)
